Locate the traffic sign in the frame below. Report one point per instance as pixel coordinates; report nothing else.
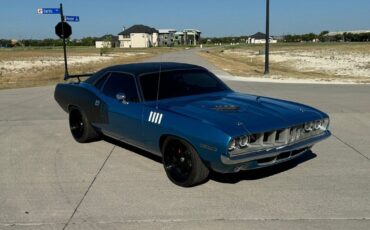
(72, 18)
(48, 11)
(63, 27)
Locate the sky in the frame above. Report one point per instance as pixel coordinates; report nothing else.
(18, 18)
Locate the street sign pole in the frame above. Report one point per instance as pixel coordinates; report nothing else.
(66, 74)
(267, 46)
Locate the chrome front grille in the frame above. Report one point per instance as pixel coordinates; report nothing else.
(277, 138)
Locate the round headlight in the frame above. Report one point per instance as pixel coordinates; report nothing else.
(308, 126)
(232, 145)
(293, 135)
(298, 134)
(324, 124)
(243, 141)
(317, 124)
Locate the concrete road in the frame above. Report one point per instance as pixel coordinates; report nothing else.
(48, 181)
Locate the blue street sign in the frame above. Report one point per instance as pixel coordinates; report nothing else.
(72, 18)
(48, 11)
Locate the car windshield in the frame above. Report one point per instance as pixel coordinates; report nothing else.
(180, 83)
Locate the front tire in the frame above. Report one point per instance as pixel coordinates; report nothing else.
(80, 127)
(182, 163)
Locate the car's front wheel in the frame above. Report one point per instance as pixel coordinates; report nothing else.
(81, 129)
(182, 163)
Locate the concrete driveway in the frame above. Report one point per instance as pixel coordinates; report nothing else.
(48, 181)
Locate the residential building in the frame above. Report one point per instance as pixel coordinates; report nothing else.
(191, 37)
(103, 44)
(166, 37)
(179, 38)
(187, 37)
(259, 38)
(107, 41)
(138, 36)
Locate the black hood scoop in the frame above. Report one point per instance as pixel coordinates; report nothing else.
(226, 108)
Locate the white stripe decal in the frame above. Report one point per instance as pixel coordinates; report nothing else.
(160, 119)
(150, 116)
(153, 118)
(156, 118)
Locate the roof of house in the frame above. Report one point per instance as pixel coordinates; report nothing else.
(259, 35)
(192, 30)
(108, 37)
(166, 31)
(139, 29)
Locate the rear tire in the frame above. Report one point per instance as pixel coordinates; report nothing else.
(80, 127)
(182, 163)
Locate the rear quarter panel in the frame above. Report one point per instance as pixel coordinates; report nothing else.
(84, 98)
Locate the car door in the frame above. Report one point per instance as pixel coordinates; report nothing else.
(124, 116)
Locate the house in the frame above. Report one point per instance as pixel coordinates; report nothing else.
(187, 37)
(166, 37)
(103, 44)
(138, 36)
(191, 36)
(179, 38)
(107, 41)
(259, 38)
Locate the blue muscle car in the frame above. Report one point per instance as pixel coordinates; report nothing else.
(190, 118)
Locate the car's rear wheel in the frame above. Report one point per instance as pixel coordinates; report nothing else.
(182, 163)
(80, 127)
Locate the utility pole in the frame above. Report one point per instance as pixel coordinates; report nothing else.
(267, 45)
(62, 19)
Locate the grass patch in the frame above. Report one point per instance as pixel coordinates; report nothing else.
(317, 61)
(28, 67)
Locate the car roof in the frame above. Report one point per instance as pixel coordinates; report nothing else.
(151, 67)
(137, 69)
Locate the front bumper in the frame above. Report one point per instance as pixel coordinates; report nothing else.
(270, 156)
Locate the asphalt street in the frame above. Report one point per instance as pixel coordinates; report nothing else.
(49, 181)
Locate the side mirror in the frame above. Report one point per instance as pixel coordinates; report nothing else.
(122, 98)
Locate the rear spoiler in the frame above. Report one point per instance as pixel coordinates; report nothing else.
(67, 76)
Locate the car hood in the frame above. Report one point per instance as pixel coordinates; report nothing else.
(237, 113)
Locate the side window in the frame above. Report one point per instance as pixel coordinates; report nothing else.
(121, 83)
(99, 84)
(149, 85)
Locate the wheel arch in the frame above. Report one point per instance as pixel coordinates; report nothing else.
(163, 138)
(71, 106)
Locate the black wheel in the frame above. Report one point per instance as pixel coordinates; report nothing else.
(182, 164)
(81, 129)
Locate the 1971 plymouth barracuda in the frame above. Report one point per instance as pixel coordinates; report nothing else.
(190, 118)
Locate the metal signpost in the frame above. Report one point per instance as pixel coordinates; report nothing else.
(62, 29)
(267, 46)
(63, 36)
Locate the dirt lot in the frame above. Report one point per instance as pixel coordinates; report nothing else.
(32, 67)
(347, 62)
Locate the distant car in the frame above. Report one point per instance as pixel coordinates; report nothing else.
(190, 118)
